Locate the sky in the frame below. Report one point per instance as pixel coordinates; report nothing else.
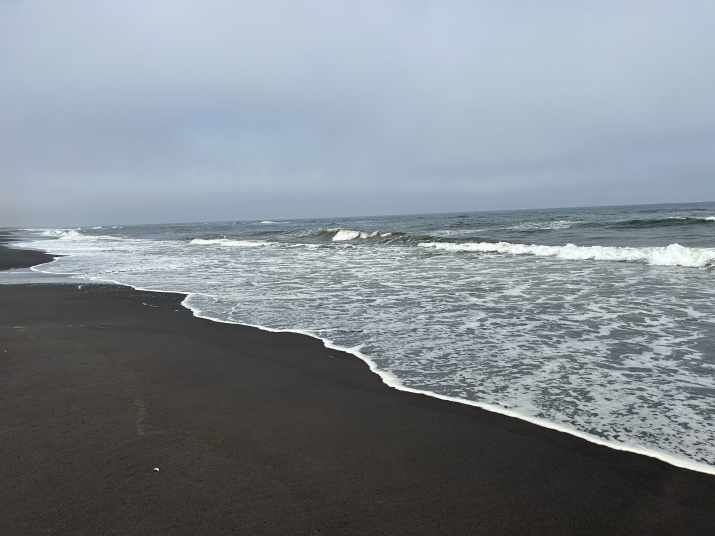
(158, 111)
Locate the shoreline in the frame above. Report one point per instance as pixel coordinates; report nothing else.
(273, 432)
(19, 258)
(391, 381)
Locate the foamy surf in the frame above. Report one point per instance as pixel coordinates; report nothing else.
(671, 255)
(533, 330)
(228, 242)
(393, 381)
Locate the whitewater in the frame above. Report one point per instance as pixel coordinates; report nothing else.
(599, 322)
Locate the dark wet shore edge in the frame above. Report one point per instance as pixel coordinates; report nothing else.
(272, 433)
(19, 258)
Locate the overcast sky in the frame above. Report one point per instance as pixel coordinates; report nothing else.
(163, 111)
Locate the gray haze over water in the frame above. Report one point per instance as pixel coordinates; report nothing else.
(157, 111)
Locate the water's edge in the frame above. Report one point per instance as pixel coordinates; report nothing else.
(391, 381)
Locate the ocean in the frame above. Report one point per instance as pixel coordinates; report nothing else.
(599, 322)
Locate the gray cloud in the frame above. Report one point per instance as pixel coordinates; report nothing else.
(169, 111)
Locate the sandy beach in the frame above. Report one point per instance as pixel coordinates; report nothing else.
(265, 433)
(19, 258)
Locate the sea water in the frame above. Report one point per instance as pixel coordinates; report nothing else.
(596, 321)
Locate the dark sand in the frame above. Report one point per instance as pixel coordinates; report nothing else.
(19, 258)
(265, 433)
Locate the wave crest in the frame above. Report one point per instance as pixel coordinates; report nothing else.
(339, 235)
(75, 235)
(672, 255)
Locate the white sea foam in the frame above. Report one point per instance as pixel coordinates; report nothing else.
(60, 233)
(78, 236)
(347, 234)
(672, 255)
(266, 222)
(455, 232)
(228, 242)
(706, 218)
(53, 232)
(394, 381)
(543, 226)
(75, 235)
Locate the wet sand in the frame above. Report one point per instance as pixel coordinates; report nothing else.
(266, 433)
(19, 258)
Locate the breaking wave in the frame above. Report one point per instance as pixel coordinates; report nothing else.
(339, 235)
(672, 255)
(75, 234)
